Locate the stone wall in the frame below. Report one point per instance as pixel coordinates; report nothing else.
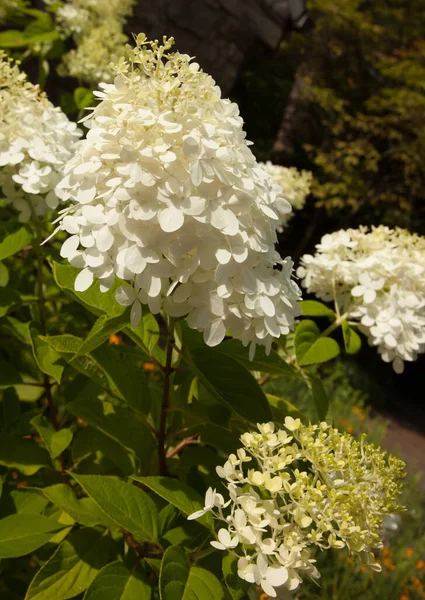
(218, 32)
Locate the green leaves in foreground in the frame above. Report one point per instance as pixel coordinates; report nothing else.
(178, 582)
(126, 504)
(21, 534)
(116, 582)
(179, 494)
(72, 567)
(310, 347)
(228, 381)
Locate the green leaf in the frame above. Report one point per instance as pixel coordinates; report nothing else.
(48, 360)
(116, 582)
(352, 341)
(229, 382)
(11, 407)
(24, 455)
(90, 441)
(19, 39)
(313, 308)
(101, 331)
(146, 336)
(83, 511)
(179, 494)
(177, 582)
(93, 299)
(126, 504)
(273, 363)
(4, 275)
(125, 378)
(73, 566)
(23, 501)
(83, 97)
(9, 299)
(310, 348)
(320, 397)
(66, 343)
(237, 587)
(56, 441)
(119, 422)
(8, 375)
(13, 236)
(23, 533)
(202, 585)
(174, 574)
(17, 329)
(282, 408)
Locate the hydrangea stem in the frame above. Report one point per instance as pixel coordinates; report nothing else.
(162, 454)
(42, 317)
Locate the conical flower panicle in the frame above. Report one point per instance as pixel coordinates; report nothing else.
(167, 195)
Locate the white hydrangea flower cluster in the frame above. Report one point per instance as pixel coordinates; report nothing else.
(168, 196)
(377, 278)
(298, 488)
(296, 186)
(36, 139)
(97, 30)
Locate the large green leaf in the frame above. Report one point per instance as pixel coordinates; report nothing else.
(83, 511)
(125, 378)
(116, 582)
(320, 397)
(179, 494)
(310, 348)
(272, 363)
(229, 382)
(101, 331)
(174, 574)
(126, 504)
(72, 567)
(48, 360)
(21, 534)
(24, 455)
(313, 308)
(4, 275)
(90, 441)
(146, 336)
(93, 299)
(119, 422)
(56, 441)
(13, 237)
(178, 582)
(237, 587)
(282, 408)
(352, 341)
(23, 501)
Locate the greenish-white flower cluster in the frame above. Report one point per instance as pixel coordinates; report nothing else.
(296, 186)
(97, 30)
(298, 488)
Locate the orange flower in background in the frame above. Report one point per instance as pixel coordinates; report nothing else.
(115, 340)
(409, 552)
(359, 412)
(404, 597)
(420, 564)
(81, 422)
(148, 366)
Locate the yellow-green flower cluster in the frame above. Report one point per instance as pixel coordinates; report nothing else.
(97, 29)
(300, 487)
